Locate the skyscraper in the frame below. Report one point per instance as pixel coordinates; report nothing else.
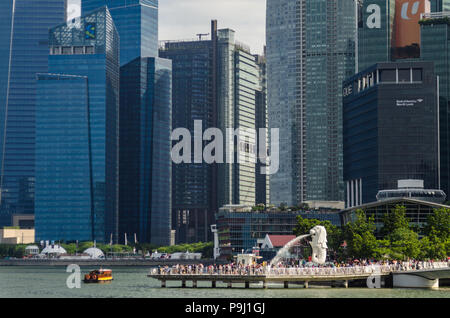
(391, 129)
(215, 81)
(194, 186)
(310, 51)
(24, 28)
(145, 163)
(77, 146)
(137, 23)
(262, 187)
(388, 30)
(238, 80)
(435, 34)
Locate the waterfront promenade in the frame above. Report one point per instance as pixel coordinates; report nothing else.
(231, 274)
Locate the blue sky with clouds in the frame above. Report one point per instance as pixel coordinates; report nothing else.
(183, 19)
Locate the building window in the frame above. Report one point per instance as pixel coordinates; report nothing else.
(404, 75)
(388, 76)
(417, 75)
(78, 50)
(67, 50)
(89, 50)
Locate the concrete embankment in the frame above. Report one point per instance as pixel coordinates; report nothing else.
(107, 262)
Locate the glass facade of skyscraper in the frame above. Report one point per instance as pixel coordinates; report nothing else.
(64, 201)
(310, 51)
(390, 129)
(24, 28)
(137, 23)
(145, 163)
(90, 48)
(238, 80)
(193, 188)
(435, 35)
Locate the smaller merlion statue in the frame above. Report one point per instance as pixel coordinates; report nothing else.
(319, 244)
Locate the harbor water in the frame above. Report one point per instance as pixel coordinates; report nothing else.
(50, 282)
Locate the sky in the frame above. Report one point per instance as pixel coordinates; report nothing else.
(184, 19)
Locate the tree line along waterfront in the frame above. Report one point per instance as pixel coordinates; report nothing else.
(18, 251)
(395, 239)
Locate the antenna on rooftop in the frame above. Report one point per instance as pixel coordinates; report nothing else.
(200, 35)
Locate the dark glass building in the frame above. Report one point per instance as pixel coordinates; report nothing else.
(145, 163)
(64, 201)
(137, 23)
(435, 35)
(262, 181)
(24, 28)
(87, 49)
(194, 189)
(391, 129)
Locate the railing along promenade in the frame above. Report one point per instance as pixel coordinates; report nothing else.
(248, 274)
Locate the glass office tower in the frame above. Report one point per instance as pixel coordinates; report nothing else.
(64, 202)
(310, 51)
(24, 28)
(89, 48)
(145, 163)
(194, 189)
(435, 35)
(137, 23)
(237, 83)
(391, 129)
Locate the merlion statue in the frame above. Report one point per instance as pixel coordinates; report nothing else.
(319, 244)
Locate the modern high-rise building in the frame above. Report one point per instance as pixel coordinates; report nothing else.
(77, 126)
(435, 35)
(440, 5)
(24, 28)
(238, 81)
(262, 187)
(310, 51)
(391, 129)
(388, 30)
(194, 186)
(137, 23)
(216, 81)
(145, 163)
(145, 185)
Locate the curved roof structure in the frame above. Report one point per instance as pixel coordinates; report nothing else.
(54, 249)
(94, 252)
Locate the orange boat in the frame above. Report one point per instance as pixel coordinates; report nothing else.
(98, 276)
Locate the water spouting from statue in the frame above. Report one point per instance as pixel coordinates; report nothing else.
(318, 245)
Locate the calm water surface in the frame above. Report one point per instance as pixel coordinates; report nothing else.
(29, 282)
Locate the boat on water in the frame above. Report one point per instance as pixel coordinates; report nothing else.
(98, 276)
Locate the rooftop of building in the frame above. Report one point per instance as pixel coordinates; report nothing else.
(280, 240)
(399, 200)
(435, 18)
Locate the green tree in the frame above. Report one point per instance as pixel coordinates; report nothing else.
(434, 248)
(360, 238)
(396, 219)
(405, 242)
(438, 224)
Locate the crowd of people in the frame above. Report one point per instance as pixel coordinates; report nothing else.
(301, 268)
